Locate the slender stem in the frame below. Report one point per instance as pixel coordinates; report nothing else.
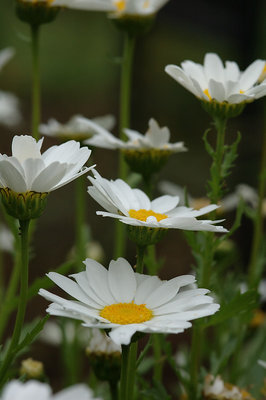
(36, 97)
(125, 106)
(158, 365)
(258, 222)
(195, 360)
(124, 372)
(132, 369)
(80, 220)
(24, 231)
(113, 390)
(140, 259)
(11, 291)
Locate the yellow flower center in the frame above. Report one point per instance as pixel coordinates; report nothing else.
(241, 91)
(206, 91)
(126, 313)
(120, 4)
(142, 215)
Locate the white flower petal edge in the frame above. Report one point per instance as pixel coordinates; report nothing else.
(168, 305)
(155, 138)
(29, 170)
(262, 363)
(5, 55)
(76, 126)
(118, 8)
(123, 203)
(214, 81)
(32, 390)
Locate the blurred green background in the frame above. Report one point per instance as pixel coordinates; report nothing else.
(80, 68)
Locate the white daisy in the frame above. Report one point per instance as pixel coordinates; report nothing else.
(32, 390)
(29, 170)
(101, 344)
(117, 7)
(213, 81)
(133, 207)
(127, 302)
(77, 127)
(155, 138)
(215, 388)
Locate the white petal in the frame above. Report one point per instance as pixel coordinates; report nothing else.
(11, 177)
(123, 334)
(162, 294)
(146, 288)
(97, 277)
(213, 67)
(122, 281)
(24, 147)
(164, 203)
(49, 177)
(217, 91)
(79, 392)
(251, 75)
(180, 76)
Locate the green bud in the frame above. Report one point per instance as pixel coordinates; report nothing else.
(106, 367)
(146, 162)
(134, 25)
(23, 206)
(223, 110)
(145, 236)
(36, 13)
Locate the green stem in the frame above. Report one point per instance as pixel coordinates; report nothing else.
(36, 97)
(195, 360)
(24, 231)
(258, 222)
(124, 372)
(80, 190)
(157, 351)
(132, 369)
(113, 390)
(140, 259)
(11, 291)
(125, 106)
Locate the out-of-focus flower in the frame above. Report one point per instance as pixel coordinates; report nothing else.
(52, 333)
(126, 302)
(117, 8)
(101, 344)
(216, 389)
(77, 128)
(228, 203)
(9, 104)
(6, 239)
(262, 363)
(28, 176)
(133, 207)
(145, 154)
(32, 390)
(32, 369)
(217, 85)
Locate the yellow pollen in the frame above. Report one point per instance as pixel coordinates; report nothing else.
(206, 91)
(142, 215)
(241, 91)
(120, 4)
(146, 4)
(126, 313)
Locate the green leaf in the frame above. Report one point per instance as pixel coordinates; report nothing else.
(230, 156)
(31, 334)
(208, 147)
(240, 306)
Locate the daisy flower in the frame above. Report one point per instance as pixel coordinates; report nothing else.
(77, 128)
(118, 8)
(127, 302)
(215, 388)
(27, 174)
(133, 207)
(33, 390)
(215, 84)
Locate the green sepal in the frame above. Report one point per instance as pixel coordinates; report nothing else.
(223, 110)
(146, 162)
(106, 367)
(145, 236)
(36, 13)
(24, 206)
(133, 25)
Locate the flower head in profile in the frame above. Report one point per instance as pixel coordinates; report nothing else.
(145, 154)
(37, 12)
(134, 208)
(118, 8)
(32, 390)
(77, 128)
(127, 302)
(28, 175)
(218, 85)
